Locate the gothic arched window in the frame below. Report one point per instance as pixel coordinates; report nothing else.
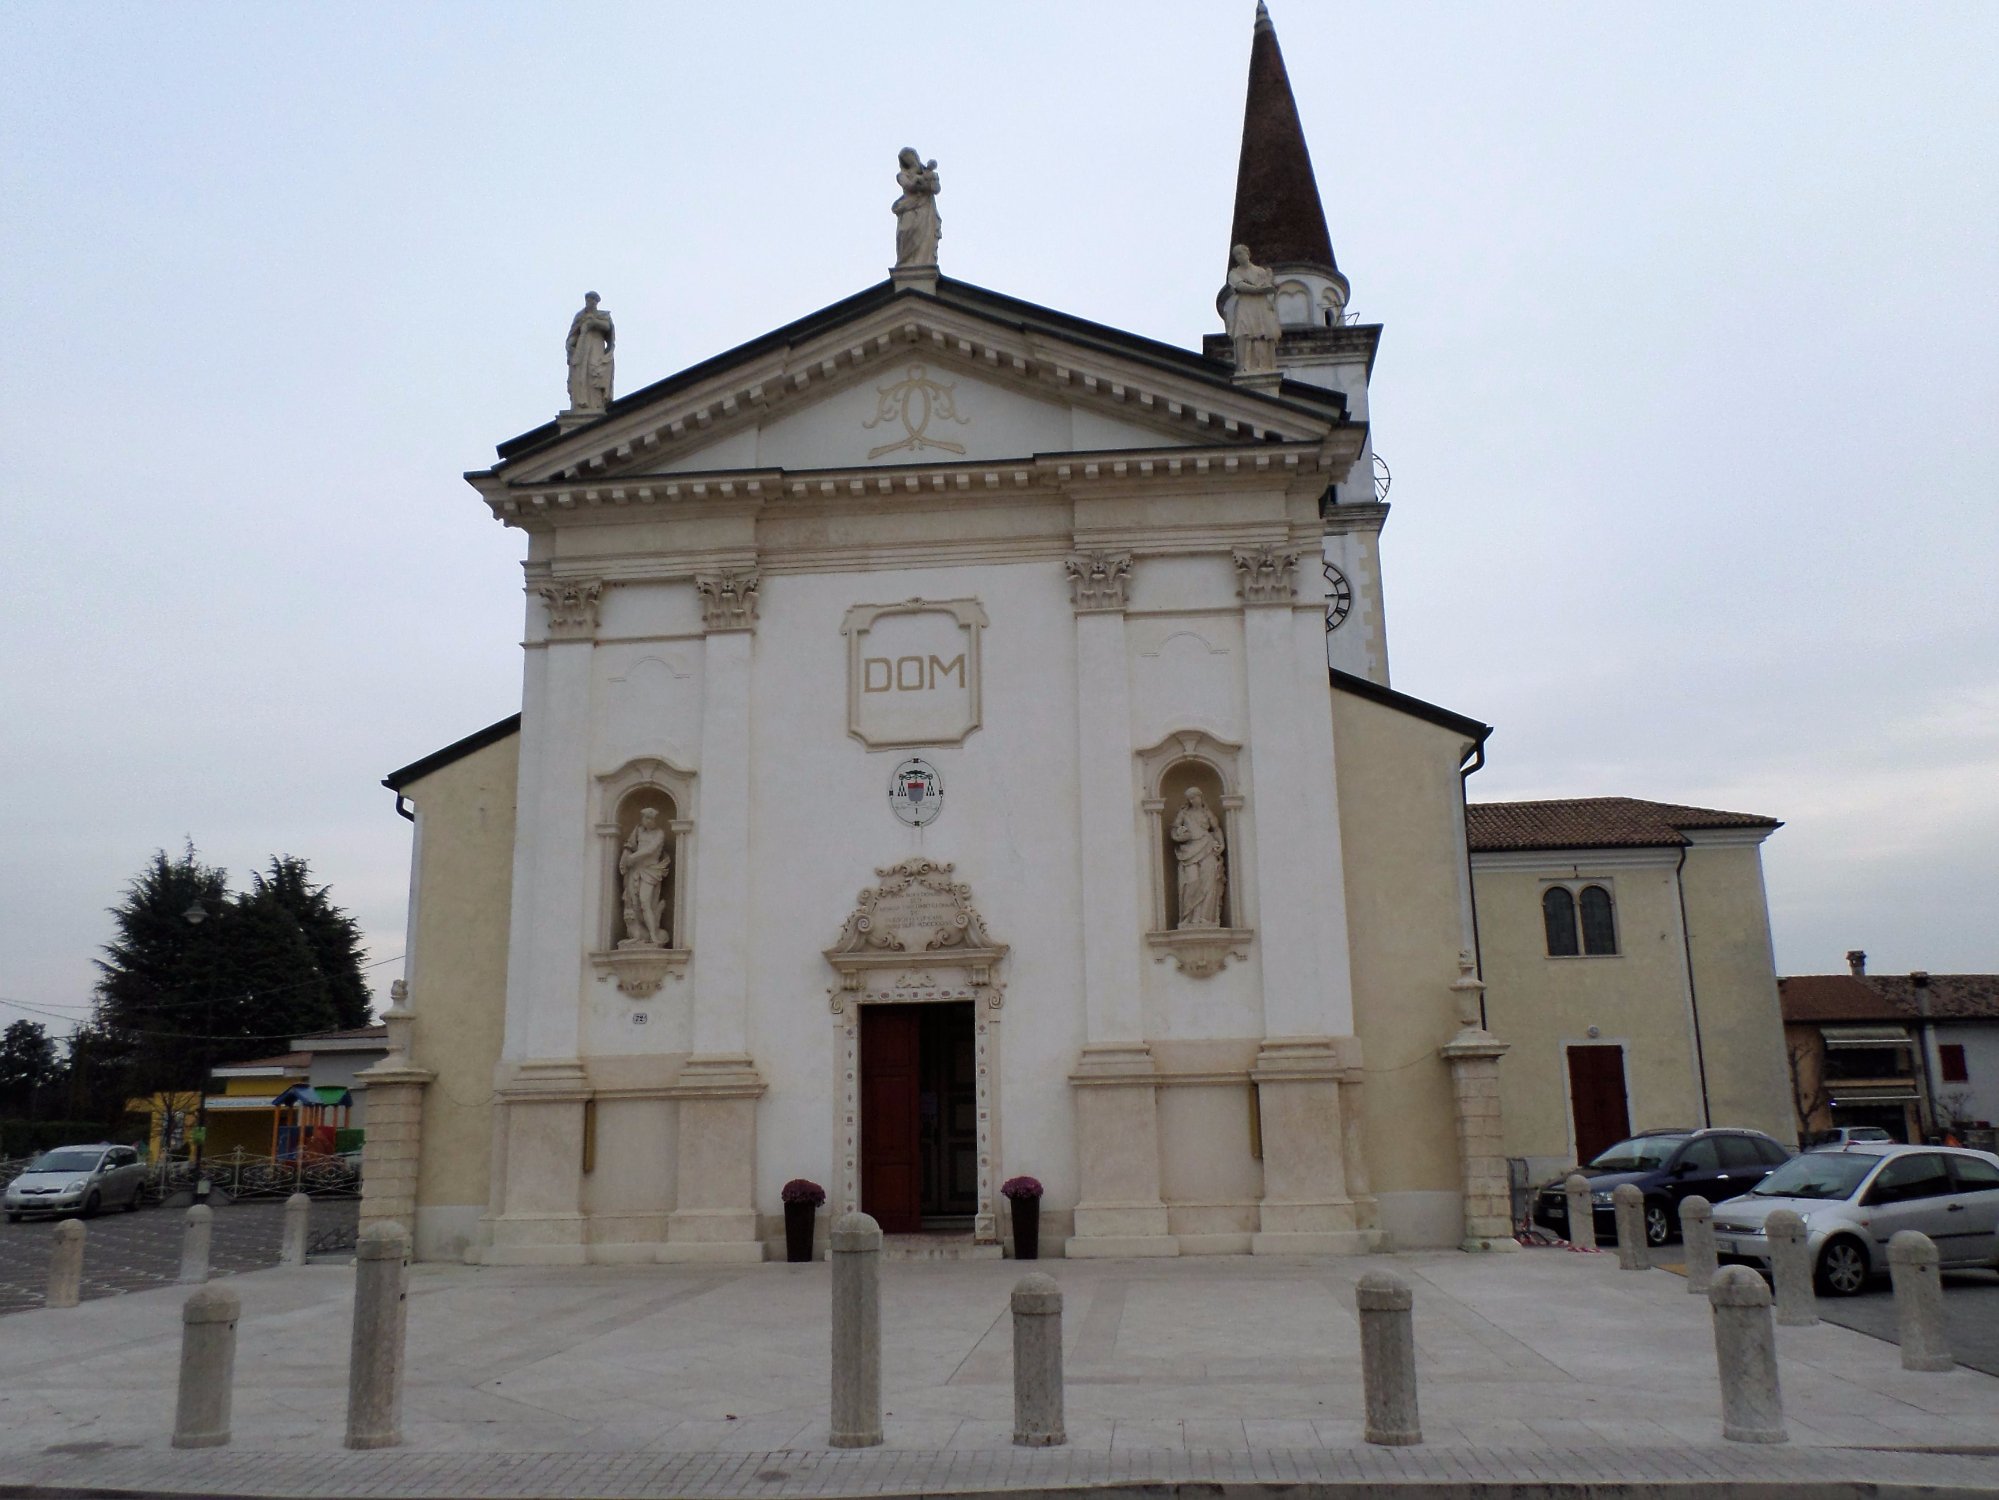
(1599, 924)
(1558, 915)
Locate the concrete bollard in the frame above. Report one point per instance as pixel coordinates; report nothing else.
(194, 1242)
(1745, 1352)
(1388, 1359)
(1791, 1269)
(207, 1367)
(1582, 1213)
(381, 1325)
(66, 1266)
(1037, 1363)
(1632, 1252)
(1912, 1267)
(857, 1332)
(1697, 1235)
(298, 1215)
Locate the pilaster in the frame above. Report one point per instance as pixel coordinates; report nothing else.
(715, 1217)
(540, 1220)
(1119, 1212)
(1306, 1208)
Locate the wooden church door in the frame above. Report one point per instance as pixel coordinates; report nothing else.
(891, 1117)
(1596, 1096)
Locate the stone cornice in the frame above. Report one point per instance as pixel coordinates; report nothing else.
(1031, 360)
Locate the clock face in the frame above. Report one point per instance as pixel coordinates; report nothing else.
(1339, 597)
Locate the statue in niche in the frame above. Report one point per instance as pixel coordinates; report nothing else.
(591, 340)
(1201, 851)
(1253, 321)
(917, 227)
(642, 866)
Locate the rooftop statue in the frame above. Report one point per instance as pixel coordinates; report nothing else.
(917, 227)
(1253, 314)
(591, 340)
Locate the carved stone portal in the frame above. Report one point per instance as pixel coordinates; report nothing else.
(916, 938)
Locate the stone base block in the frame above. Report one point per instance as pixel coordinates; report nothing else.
(534, 1255)
(1333, 1242)
(626, 1253)
(712, 1252)
(1215, 1244)
(1126, 1219)
(1120, 1246)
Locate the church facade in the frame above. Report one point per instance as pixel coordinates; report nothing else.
(956, 744)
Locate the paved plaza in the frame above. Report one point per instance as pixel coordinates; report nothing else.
(138, 1252)
(644, 1380)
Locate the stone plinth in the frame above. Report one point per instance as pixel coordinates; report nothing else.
(1473, 1057)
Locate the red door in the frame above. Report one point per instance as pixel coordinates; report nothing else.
(1596, 1096)
(891, 1117)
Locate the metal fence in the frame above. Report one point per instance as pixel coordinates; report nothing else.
(243, 1174)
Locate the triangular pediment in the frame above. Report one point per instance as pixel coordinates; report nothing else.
(895, 379)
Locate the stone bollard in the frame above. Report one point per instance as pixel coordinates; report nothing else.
(857, 1332)
(1388, 1359)
(1037, 1363)
(1912, 1267)
(1632, 1252)
(298, 1213)
(194, 1242)
(381, 1325)
(1697, 1235)
(66, 1266)
(1582, 1214)
(1745, 1351)
(1791, 1269)
(207, 1367)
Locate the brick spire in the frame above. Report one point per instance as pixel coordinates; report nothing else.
(1277, 212)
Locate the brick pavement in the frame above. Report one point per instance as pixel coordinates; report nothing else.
(135, 1252)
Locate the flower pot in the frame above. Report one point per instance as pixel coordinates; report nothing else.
(798, 1231)
(1026, 1228)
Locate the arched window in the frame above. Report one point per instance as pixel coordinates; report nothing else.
(1558, 915)
(1599, 926)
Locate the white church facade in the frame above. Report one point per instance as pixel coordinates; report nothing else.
(929, 771)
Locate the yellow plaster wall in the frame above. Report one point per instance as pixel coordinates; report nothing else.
(1399, 790)
(458, 978)
(1637, 998)
(1742, 1027)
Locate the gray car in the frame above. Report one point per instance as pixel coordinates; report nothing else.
(1853, 1201)
(77, 1179)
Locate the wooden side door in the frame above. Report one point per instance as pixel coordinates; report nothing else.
(1596, 1098)
(891, 1117)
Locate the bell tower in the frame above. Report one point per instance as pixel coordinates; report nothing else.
(1280, 218)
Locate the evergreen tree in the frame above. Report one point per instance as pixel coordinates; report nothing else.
(197, 977)
(334, 936)
(27, 1066)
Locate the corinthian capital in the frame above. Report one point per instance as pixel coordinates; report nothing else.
(728, 600)
(1098, 580)
(572, 607)
(1269, 574)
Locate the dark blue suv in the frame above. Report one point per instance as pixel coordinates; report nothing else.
(1667, 1166)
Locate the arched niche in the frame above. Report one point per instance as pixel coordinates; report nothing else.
(1186, 760)
(624, 948)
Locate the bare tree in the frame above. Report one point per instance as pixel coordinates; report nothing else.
(1809, 1100)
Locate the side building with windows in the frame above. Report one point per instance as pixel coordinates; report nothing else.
(1625, 947)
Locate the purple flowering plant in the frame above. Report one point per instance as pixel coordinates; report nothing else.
(803, 1190)
(1021, 1187)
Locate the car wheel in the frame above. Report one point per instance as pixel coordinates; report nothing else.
(91, 1205)
(132, 1203)
(1842, 1268)
(1658, 1223)
(13, 1218)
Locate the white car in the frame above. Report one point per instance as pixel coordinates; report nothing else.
(1853, 1201)
(77, 1179)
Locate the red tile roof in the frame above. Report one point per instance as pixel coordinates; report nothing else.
(1889, 997)
(378, 1031)
(1595, 823)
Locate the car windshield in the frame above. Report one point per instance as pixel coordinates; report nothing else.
(1639, 1154)
(72, 1159)
(1818, 1174)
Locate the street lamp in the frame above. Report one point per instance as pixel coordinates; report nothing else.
(194, 916)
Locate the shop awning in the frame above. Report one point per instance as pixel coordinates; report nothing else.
(1865, 1036)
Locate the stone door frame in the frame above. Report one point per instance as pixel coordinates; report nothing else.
(907, 980)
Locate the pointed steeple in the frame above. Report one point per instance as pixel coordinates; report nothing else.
(1277, 210)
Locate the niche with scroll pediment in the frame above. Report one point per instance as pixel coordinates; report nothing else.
(643, 838)
(1193, 809)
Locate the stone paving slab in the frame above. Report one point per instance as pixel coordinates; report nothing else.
(672, 1373)
(1742, 1472)
(137, 1252)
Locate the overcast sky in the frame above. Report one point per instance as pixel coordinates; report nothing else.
(1688, 380)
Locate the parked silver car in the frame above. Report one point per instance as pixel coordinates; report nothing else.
(1854, 1200)
(77, 1179)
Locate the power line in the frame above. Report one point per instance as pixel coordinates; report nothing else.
(50, 1008)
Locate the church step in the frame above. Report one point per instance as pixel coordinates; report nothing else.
(936, 1247)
